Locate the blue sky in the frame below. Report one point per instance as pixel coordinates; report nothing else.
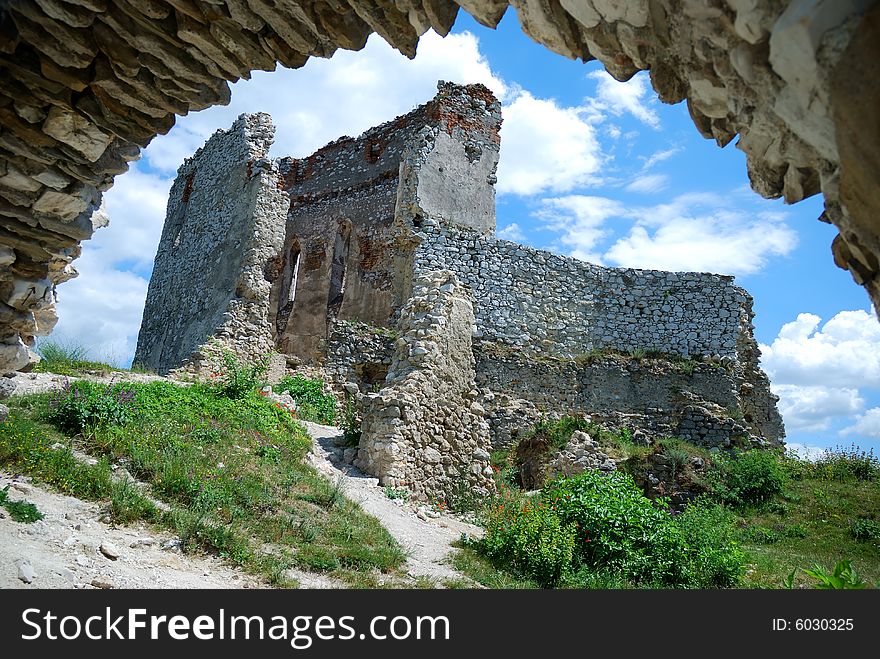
(590, 167)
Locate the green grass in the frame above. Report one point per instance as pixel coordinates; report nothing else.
(827, 513)
(232, 471)
(20, 511)
(68, 359)
(812, 523)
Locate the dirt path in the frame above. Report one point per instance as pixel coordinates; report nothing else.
(427, 541)
(63, 550)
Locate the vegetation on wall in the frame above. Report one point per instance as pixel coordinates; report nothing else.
(312, 404)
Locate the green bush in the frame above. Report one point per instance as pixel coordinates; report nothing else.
(865, 529)
(712, 558)
(596, 530)
(237, 380)
(619, 528)
(312, 404)
(748, 478)
(82, 405)
(20, 511)
(844, 464)
(530, 539)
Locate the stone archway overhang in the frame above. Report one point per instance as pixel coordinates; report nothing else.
(86, 84)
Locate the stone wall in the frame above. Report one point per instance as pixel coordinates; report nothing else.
(347, 246)
(700, 401)
(358, 353)
(424, 430)
(223, 227)
(546, 304)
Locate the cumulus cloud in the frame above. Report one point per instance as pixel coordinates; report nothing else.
(812, 408)
(136, 205)
(545, 147)
(101, 310)
(327, 98)
(696, 232)
(511, 232)
(634, 97)
(649, 184)
(866, 425)
(844, 352)
(701, 232)
(580, 219)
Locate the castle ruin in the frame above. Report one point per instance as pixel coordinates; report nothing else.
(376, 259)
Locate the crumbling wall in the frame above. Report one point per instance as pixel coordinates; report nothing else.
(85, 85)
(699, 401)
(546, 304)
(424, 430)
(347, 250)
(224, 227)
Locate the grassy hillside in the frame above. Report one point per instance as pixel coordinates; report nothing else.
(764, 520)
(228, 463)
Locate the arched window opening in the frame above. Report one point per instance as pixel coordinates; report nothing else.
(337, 271)
(287, 294)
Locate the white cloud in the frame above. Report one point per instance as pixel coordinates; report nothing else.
(545, 147)
(812, 408)
(511, 232)
(634, 96)
(806, 452)
(866, 425)
(580, 218)
(136, 205)
(660, 156)
(327, 98)
(649, 184)
(101, 309)
(845, 352)
(701, 232)
(696, 232)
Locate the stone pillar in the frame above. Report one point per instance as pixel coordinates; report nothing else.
(424, 431)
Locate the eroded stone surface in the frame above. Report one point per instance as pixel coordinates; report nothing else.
(424, 430)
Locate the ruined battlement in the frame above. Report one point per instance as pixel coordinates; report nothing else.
(322, 258)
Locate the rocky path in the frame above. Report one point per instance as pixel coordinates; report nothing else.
(426, 539)
(71, 547)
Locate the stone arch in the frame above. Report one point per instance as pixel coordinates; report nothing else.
(86, 84)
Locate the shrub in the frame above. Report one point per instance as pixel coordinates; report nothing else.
(530, 539)
(81, 406)
(865, 529)
(620, 529)
(713, 559)
(749, 478)
(312, 404)
(20, 511)
(351, 424)
(844, 464)
(240, 380)
(558, 432)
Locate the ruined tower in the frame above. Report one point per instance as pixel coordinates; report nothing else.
(376, 259)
